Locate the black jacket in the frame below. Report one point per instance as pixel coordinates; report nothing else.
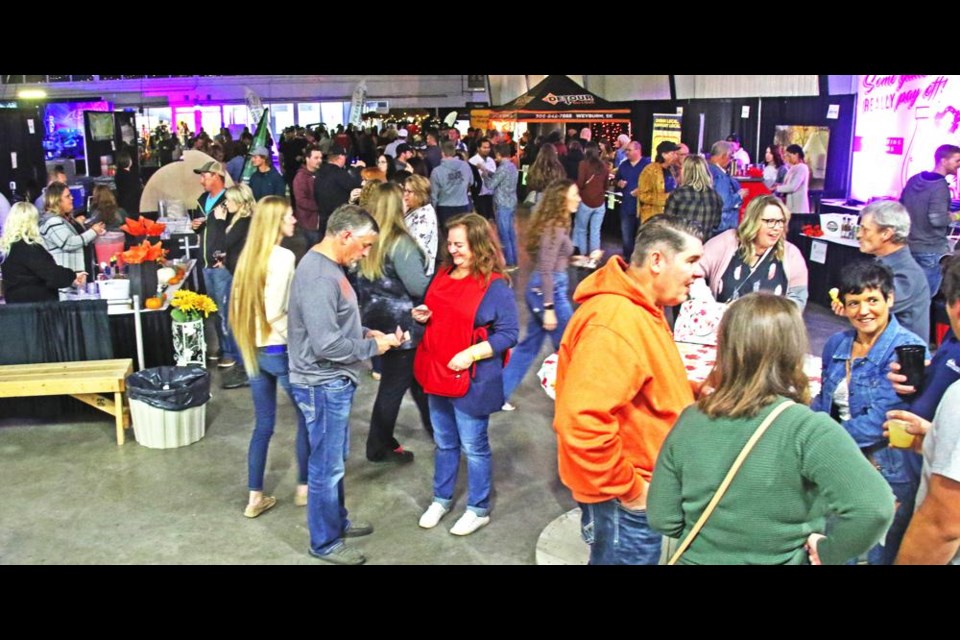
(31, 275)
(236, 237)
(129, 191)
(213, 232)
(332, 188)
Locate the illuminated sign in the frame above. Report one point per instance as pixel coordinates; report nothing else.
(582, 98)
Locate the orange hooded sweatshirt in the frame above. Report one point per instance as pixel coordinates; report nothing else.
(620, 386)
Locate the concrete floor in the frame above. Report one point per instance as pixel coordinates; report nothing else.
(72, 496)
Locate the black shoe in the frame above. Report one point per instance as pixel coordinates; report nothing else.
(341, 555)
(358, 529)
(398, 456)
(234, 378)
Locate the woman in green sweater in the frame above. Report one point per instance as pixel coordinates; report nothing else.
(802, 470)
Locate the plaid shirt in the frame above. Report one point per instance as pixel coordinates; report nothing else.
(703, 207)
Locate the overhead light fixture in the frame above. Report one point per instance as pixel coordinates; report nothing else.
(31, 94)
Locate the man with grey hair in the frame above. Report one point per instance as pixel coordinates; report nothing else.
(326, 346)
(611, 421)
(721, 154)
(884, 228)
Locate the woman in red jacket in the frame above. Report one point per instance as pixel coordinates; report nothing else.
(471, 320)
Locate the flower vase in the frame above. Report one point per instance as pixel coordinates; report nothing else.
(143, 280)
(189, 344)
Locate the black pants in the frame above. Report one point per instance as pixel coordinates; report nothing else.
(397, 371)
(484, 205)
(445, 213)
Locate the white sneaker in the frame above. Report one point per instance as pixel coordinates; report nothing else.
(468, 523)
(431, 517)
(508, 407)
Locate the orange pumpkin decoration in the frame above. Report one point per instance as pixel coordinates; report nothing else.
(153, 303)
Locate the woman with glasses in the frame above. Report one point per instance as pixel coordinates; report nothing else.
(756, 256)
(63, 235)
(420, 217)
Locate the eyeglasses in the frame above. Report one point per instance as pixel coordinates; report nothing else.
(773, 223)
(407, 191)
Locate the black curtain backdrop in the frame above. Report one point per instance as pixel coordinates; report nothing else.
(723, 117)
(52, 332)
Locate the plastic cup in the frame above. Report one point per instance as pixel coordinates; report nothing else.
(900, 438)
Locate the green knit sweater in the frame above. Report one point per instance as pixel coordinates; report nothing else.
(803, 469)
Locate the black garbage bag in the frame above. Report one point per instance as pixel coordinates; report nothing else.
(170, 388)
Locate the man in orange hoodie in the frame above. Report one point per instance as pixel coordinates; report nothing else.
(621, 385)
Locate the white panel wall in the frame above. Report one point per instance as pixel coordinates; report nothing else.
(739, 86)
(620, 88)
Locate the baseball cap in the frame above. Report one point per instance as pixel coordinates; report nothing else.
(212, 167)
(260, 151)
(402, 133)
(666, 147)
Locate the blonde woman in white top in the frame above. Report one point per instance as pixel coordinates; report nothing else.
(258, 318)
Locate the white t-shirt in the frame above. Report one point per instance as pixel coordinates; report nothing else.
(491, 166)
(841, 398)
(941, 445)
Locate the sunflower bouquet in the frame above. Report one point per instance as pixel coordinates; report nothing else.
(188, 305)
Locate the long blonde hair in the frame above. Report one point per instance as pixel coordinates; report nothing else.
(387, 210)
(761, 345)
(23, 223)
(550, 212)
(240, 195)
(750, 227)
(250, 278)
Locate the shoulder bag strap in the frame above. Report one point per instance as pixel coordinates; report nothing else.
(730, 475)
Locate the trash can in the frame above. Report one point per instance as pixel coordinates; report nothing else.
(168, 405)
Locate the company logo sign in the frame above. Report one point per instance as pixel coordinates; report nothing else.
(583, 98)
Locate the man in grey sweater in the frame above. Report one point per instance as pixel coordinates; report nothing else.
(450, 185)
(327, 344)
(927, 197)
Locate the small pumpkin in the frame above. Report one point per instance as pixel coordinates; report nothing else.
(153, 303)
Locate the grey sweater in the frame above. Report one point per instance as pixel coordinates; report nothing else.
(323, 326)
(63, 242)
(450, 183)
(927, 197)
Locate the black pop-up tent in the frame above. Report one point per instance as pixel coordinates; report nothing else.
(557, 99)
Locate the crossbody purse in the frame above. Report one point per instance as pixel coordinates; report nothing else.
(730, 475)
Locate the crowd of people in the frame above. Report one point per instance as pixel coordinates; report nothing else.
(408, 261)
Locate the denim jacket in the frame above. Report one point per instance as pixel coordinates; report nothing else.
(871, 395)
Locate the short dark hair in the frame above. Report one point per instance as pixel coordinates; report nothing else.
(865, 274)
(663, 229)
(951, 278)
(945, 151)
(310, 148)
(124, 160)
(448, 149)
(484, 139)
(796, 149)
(503, 150)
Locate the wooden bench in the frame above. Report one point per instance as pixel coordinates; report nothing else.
(85, 381)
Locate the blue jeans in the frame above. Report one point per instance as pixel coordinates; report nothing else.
(526, 352)
(629, 223)
(886, 553)
(274, 369)
(617, 535)
(218, 283)
(930, 263)
(508, 235)
(454, 431)
(586, 228)
(326, 410)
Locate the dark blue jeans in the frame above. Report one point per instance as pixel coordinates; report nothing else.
(526, 352)
(263, 387)
(219, 281)
(930, 263)
(886, 553)
(629, 223)
(326, 410)
(445, 213)
(617, 535)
